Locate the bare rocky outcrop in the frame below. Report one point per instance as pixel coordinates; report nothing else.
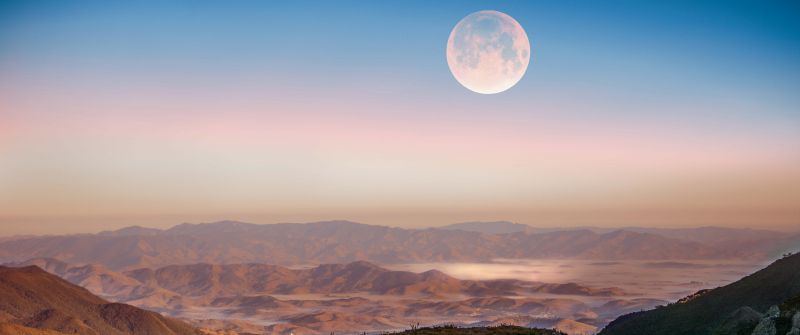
(765, 327)
(795, 330)
(768, 325)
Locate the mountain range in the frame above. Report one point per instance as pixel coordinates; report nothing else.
(490, 227)
(336, 276)
(212, 281)
(228, 242)
(721, 237)
(340, 297)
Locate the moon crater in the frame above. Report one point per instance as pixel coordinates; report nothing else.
(488, 52)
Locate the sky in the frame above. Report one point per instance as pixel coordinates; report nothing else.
(673, 114)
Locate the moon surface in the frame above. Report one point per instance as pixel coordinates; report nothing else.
(488, 52)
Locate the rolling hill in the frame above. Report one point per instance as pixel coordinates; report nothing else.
(36, 302)
(213, 280)
(342, 297)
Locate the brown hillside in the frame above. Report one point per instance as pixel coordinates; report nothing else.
(33, 298)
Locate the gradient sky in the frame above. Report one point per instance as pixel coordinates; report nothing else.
(631, 113)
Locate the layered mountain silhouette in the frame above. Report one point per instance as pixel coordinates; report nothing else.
(33, 301)
(226, 274)
(737, 308)
(230, 242)
(337, 297)
(215, 281)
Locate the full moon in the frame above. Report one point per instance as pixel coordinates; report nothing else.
(488, 52)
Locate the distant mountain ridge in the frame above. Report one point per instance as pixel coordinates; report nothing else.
(342, 242)
(491, 227)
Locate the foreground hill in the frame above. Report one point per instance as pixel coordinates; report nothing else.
(33, 301)
(736, 306)
(341, 242)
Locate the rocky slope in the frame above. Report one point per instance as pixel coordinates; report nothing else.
(778, 320)
(732, 309)
(36, 302)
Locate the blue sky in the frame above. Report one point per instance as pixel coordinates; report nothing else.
(697, 79)
(642, 52)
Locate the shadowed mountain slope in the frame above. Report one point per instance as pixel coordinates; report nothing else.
(705, 313)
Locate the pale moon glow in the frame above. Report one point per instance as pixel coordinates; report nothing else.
(488, 52)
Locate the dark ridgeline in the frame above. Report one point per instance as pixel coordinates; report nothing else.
(732, 309)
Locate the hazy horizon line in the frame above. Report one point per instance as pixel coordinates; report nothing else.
(563, 227)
